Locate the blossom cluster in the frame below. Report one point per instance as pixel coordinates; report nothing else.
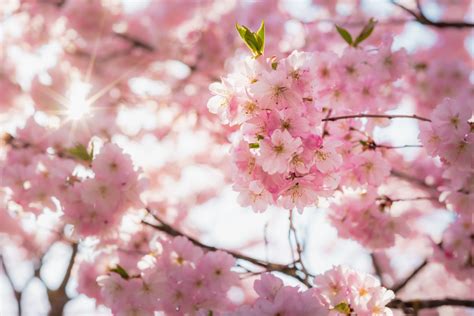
(366, 219)
(93, 192)
(339, 291)
(285, 154)
(449, 136)
(351, 292)
(183, 280)
(95, 205)
(275, 298)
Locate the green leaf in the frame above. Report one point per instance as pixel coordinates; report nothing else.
(80, 152)
(343, 308)
(366, 31)
(344, 34)
(121, 271)
(254, 145)
(255, 41)
(261, 37)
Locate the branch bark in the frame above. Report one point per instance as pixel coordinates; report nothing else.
(58, 298)
(412, 306)
(421, 18)
(415, 272)
(387, 116)
(377, 268)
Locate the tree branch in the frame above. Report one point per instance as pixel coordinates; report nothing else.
(58, 298)
(299, 248)
(269, 266)
(415, 272)
(377, 268)
(387, 116)
(135, 42)
(421, 18)
(410, 307)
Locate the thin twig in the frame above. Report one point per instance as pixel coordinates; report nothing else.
(398, 147)
(135, 42)
(387, 116)
(415, 272)
(325, 125)
(420, 17)
(299, 248)
(377, 268)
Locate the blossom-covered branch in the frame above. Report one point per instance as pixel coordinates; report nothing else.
(268, 266)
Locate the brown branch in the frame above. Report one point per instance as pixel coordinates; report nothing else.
(299, 248)
(325, 125)
(412, 306)
(409, 178)
(58, 298)
(387, 116)
(410, 277)
(377, 268)
(135, 42)
(269, 266)
(421, 18)
(398, 147)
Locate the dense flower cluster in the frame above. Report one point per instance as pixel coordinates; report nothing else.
(367, 219)
(450, 137)
(274, 298)
(339, 291)
(285, 154)
(183, 280)
(325, 111)
(39, 173)
(350, 292)
(99, 202)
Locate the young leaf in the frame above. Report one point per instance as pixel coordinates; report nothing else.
(366, 31)
(255, 41)
(261, 37)
(80, 152)
(120, 271)
(344, 34)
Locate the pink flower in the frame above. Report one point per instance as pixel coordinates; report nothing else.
(326, 158)
(275, 154)
(216, 269)
(223, 103)
(102, 194)
(300, 195)
(112, 165)
(273, 90)
(450, 118)
(371, 168)
(255, 195)
(430, 139)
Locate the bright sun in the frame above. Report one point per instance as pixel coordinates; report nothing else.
(78, 103)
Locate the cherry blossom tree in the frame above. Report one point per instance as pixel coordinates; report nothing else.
(270, 157)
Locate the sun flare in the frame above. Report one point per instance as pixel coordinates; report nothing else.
(78, 104)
